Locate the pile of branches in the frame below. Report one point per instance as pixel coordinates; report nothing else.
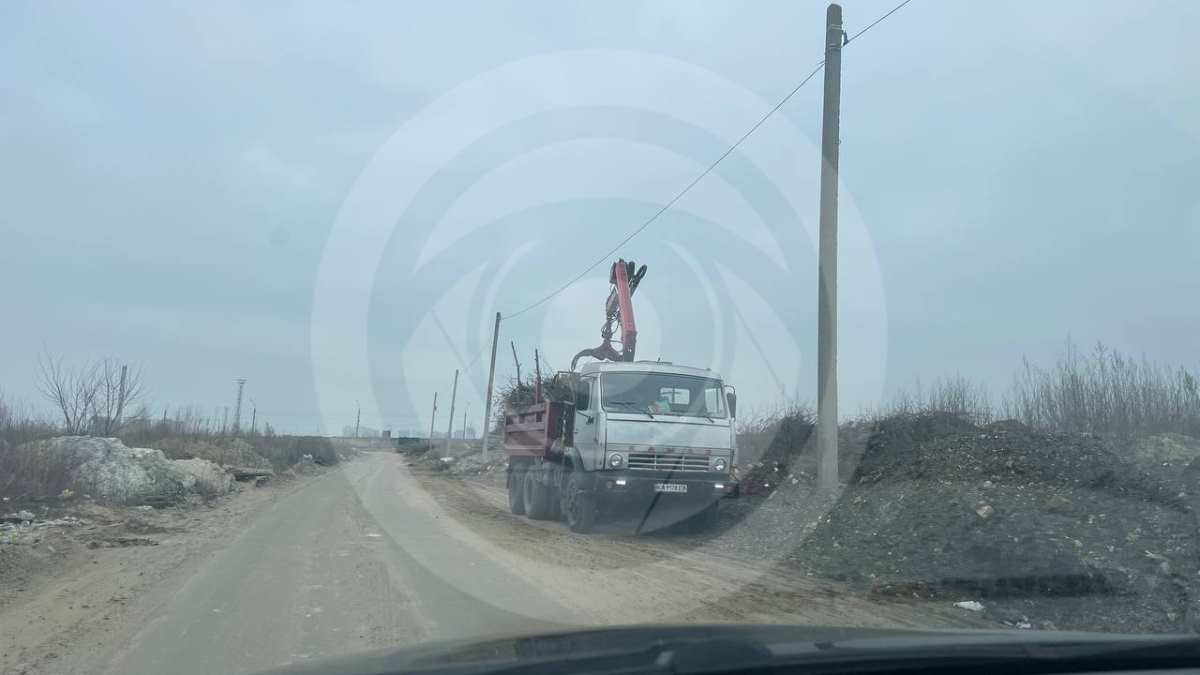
(554, 388)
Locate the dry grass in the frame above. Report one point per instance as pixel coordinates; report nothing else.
(285, 451)
(955, 395)
(1106, 392)
(35, 469)
(236, 452)
(31, 469)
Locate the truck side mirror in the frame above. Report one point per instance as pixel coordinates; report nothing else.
(582, 394)
(731, 399)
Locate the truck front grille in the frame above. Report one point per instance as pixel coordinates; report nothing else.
(653, 461)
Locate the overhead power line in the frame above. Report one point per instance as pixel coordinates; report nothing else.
(687, 188)
(876, 22)
(671, 202)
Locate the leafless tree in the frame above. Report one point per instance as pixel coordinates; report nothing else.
(120, 387)
(72, 392)
(92, 398)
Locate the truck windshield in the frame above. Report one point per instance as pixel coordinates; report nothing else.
(662, 394)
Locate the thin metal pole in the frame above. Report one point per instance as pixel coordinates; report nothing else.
(827, 384)
(487, 406)
(432, 420)
(450, 426)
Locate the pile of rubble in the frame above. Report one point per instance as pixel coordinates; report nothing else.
(20, 526)
(1043, 530)
(107, 470)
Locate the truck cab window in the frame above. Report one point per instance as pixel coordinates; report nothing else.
(676, 395)
(662, 393)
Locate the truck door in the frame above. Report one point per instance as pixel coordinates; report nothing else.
(587, 421)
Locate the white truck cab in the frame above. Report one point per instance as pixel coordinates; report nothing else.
(645, 437)
(653, 416)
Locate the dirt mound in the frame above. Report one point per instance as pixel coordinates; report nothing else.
(109, 471)
(1167, 449)
(1007, 426)
(1058, 527)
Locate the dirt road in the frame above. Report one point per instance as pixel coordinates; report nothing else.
(371, 555)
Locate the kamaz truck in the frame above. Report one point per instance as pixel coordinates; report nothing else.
(649, 441)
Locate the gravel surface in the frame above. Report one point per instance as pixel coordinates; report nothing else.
(1050, 530)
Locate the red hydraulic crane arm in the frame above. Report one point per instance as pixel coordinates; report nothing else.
(622, 296)
(619, 309)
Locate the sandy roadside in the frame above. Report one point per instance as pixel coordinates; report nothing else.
(62, 599)
(620, 578)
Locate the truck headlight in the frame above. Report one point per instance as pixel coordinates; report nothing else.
(616, 460)
(719, 464)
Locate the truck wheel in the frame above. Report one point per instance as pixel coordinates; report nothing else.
(579, 504)
(537, 504)
(516, 490)
(553, 502)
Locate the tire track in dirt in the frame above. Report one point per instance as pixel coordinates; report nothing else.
(668, 578)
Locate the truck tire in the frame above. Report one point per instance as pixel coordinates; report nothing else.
(536, 496)
(516, 490)
(553, 500)
(579, 504)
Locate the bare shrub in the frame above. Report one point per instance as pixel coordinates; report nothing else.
(953, 395)
(1106, 392)
(775, 435)
(236, 452)
(284, 451)
(20, 424)
(36, 469)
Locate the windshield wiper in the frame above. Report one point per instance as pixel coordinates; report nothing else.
(633, 405)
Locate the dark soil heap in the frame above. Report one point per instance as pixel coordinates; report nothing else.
(1057, 530)
(778, 447)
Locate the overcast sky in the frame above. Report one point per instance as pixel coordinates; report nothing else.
(333, 200)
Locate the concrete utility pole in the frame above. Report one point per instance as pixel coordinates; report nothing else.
(537, 379)
(432, 419)
(357, 417)
(464, 424)
(253, 415)
(450, 426)
(487, 406)
(121, 398)
(827, 385)
(237, 408)
(516, 361)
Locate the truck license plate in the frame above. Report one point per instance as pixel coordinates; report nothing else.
(670, 487)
